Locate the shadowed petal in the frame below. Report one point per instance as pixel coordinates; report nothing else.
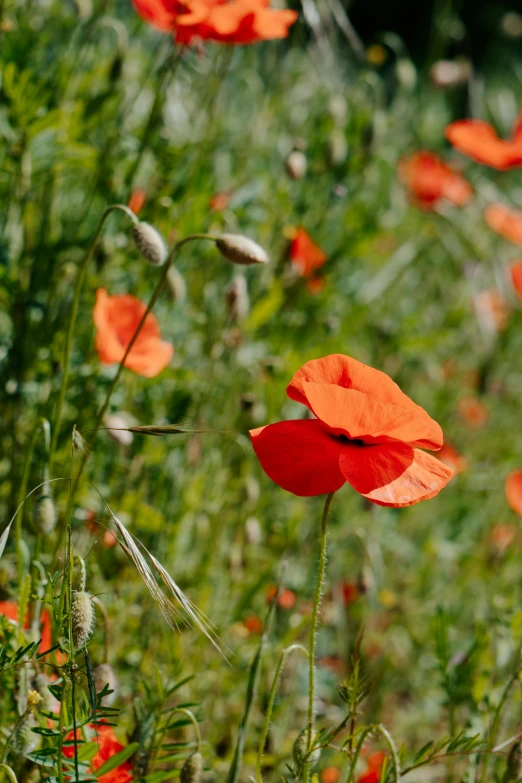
(513, 489)
(299, 456)
(479, 141)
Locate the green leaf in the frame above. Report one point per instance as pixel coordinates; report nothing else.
(118, 759)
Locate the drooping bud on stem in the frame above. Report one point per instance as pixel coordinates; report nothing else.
(82, 617)
(192, 769)
(150, 243)
(241, 250)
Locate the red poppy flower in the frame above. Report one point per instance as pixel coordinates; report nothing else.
(350, 592)
(505, 221)
(137, 200)
(108, 746)
(286, 599)
(479, 141)
(374, 768)
(516, 277)
(305, 255)
(316, 285)
(330, 775)
(234, 22)
(513, 490)
(365, 433)
(430, 181)
(10, 610)
(116, 319)
(254, 624)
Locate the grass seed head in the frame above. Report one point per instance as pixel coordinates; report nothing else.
(44, 514)
(150, 243)
(192, 769)
(241, 250)
(82, 618)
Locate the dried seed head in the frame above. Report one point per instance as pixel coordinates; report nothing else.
(241, 250)
(25, 740)
(237, 299)
(82, 618)
(150, 243)
(44, 514)
(104, 675)
(296, 164)
(192, 769)
(299, 751)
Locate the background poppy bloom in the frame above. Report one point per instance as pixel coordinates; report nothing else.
(513, 490)
(430, 180)
(516, 277)
(451, 457)
(108, 746)
(10, 610)
(365, 434)
(479, 140)
(505, 221)
(305, 255)
(234, 22)
(116, 319)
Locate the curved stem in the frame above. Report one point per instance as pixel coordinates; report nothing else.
(385, 734)
(80, 277)
(271, 699)
(192, 717)
(313, 629)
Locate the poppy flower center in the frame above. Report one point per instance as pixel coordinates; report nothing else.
(346, 439)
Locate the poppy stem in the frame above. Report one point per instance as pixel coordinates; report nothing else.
(313, 633)
(80, 277)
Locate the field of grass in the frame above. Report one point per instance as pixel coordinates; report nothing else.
(129, 486)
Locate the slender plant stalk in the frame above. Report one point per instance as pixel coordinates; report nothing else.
(271, 699)
(313, 631)
(80, 277)
(375, 728)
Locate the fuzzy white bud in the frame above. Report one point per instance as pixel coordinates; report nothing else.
(150, 243)
(192, 769)
(296, 164)
(82, 617)
(241, 250)
(44, 514)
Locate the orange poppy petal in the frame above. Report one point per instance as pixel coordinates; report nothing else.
(151, 358)
(513, 490)
(355, 414)
(505, 221)
(516, 277)
(393, 474)
(344, 371)
(479, 141)
(157, 13)
(299, 456)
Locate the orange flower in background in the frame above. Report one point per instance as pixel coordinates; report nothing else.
(108, 746)
(479, 141)
(222, 21)
(374, 765)
(316, 285)
(286, 600)
(137, 200)
(430, 181)
(501, 538)
(492, 310)
(254, 624)
(305, 255)
(365, 433)
(513, 490)
(451, 457)
(516, 277)
(116, 319)
(473, 411)
(220, 201)
(330, 775)
(10, 610)
(505, 221)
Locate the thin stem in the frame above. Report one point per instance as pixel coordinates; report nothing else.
(192, 718)
(313, 629)
(271, 699)
(80, 277)
(385, 734)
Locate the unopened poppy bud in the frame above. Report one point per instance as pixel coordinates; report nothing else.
(514, 764)
(296, 164)
(104, 675)
(192, 769)
(237, 299)
(44, 514)
(150, 243)
(82, 618)
(241, 250)
(300, 751)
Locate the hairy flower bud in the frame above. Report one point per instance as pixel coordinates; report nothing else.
(237, 299)
(300, 754)
(241, 250)
(192, 769)
(104, 675)
(25, 740)
(150, 243)
(44, 514)
(296, 164)
(82, 617)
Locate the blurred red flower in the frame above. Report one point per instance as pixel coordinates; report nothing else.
(430, 180)
(364, 434)
(137, 200)
(451, 457)
(286, 600)
(234, 22)
(479, 141)
(219, 201)
(505, 221)
(330, 775)
(108, 746)
(10, 610)
(350, 592)
(516, 277)
(315, 285)
(501, 538)
(305, 255)
(253, 624)
(116, 319)
(374, 766)
(513, 490)
(473, 411)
